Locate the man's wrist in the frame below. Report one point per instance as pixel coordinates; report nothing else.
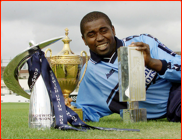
(164, 67)
(160, 66)
(155, 64)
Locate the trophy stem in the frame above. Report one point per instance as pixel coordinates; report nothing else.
(66, 96)
(133, 105)
(133, 113)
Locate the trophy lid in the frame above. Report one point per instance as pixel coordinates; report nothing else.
(66, 48)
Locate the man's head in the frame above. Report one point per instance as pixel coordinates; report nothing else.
(98, 33)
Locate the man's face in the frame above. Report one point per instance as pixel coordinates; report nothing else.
(99, 36)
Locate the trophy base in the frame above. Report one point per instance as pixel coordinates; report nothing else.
(39, 125)
(135, 115)
(79, 112)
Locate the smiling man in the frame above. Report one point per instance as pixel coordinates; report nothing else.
(98, 93)
(99, 36)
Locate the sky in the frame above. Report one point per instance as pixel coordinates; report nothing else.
(22, 21)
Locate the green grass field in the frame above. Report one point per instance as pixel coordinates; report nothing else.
(14, 125)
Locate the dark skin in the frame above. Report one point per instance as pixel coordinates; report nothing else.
(99, 37)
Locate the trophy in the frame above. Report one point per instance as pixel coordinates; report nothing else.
(40, 112)
(131, 75)
(67, 67)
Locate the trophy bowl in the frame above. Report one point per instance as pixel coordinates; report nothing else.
(67, 71)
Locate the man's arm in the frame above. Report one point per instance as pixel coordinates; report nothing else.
(157, 56)
(150, 62)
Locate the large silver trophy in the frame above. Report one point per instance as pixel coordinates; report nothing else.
(40, 112)
(40, 109)
(131, 75)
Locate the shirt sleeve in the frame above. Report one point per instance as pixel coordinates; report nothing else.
(171, 62)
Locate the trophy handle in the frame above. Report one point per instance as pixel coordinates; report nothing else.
(85, 66)
(47, 51)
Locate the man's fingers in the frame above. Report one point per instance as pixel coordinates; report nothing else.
(141, 48)
(67, 101)
(132, 44)
(70, 99)
(141, 44)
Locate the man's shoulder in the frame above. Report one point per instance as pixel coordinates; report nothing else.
(139, 37)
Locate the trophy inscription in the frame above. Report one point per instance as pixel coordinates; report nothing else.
(131, 83)
(67, 67)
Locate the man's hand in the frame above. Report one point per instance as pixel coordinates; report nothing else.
(68, 101)
(154, 64)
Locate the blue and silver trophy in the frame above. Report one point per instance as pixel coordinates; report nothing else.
(40, 112)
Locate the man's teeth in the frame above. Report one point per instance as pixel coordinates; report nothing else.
(103, 45)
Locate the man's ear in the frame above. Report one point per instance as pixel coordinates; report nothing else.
(84, 40)
(113, 29)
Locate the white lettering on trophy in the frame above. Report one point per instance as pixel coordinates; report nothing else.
(41, 116)
(54, 82)
(34, 78)
(59, 103)
(61, 119)
(149, 75)
(72, 117)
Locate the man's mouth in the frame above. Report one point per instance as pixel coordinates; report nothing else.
(102, 47)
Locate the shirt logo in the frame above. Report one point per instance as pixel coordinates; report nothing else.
(110, 73)
(149, 75)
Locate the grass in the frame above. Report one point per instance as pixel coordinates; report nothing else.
(14, 125)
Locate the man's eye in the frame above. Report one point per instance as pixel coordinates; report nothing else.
(104, 30)
(91, 35)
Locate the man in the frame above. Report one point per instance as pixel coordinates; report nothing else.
(98, 93)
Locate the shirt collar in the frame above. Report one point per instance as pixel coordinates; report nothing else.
(96, 58)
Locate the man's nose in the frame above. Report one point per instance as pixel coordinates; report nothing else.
(99, 37)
